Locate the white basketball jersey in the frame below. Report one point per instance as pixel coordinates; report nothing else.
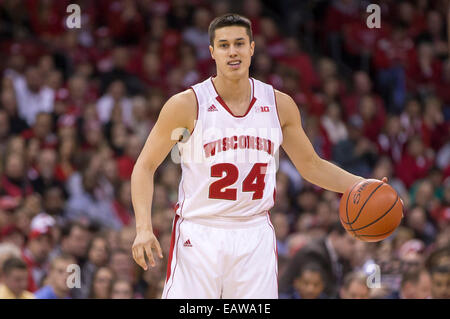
(229, 162)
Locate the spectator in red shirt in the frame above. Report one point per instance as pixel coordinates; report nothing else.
(152, 72)
(125, 21)
(126, 162)
(275, 45)
(339, 14)
(373, 118)
(42, 132)
(362, 85)
(252, 9)
(435, 34)
(425, 72)
(301, 61)
(360, 41)
(415, 162)
(391, 58)
(411, 16)
(47, 17)
(122, 206)
(435, 130)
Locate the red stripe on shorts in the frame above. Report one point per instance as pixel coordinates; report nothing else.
(172, 245)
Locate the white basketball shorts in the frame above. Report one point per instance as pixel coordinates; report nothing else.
(237, 262)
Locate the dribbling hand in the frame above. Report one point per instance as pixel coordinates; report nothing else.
(143, 244)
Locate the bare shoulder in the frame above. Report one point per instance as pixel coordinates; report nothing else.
(287, 108)
(181, 109)
(184, 102)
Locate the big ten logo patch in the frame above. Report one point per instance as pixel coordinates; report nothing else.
(262, 109)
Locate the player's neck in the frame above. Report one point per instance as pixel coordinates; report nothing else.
(233, 90)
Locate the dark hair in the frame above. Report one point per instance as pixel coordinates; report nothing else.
(312, 267)
(66, 230)
(13, 263)
(228, 20)
(100, 236)
(440, 270)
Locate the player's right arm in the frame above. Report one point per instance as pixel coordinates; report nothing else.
(178, 113)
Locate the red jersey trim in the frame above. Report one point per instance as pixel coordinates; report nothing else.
(225, 106)
(172, 245)
(276, 106)
(198, 111)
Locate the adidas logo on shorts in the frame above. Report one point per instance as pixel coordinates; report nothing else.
(187, 243)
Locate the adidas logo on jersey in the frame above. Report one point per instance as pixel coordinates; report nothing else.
(187, 243)
(212, 108)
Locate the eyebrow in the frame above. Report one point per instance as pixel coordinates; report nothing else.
(237, 39)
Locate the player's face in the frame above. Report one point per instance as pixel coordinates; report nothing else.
(232, 51)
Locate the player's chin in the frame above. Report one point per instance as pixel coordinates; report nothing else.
(236, 73)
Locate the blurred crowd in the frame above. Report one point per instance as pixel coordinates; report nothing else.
(76, 107)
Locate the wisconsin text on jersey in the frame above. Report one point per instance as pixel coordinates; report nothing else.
(239, 142)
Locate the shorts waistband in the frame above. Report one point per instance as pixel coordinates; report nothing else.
(231, 222)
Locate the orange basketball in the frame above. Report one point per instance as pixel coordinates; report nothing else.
(370, 210)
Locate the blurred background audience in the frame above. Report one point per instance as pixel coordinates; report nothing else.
(76, 106)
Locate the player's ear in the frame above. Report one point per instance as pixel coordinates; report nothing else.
(252, 47)
(211, 50)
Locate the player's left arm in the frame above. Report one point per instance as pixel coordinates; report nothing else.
(302, 154)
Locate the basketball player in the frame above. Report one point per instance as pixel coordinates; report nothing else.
(223, 244)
